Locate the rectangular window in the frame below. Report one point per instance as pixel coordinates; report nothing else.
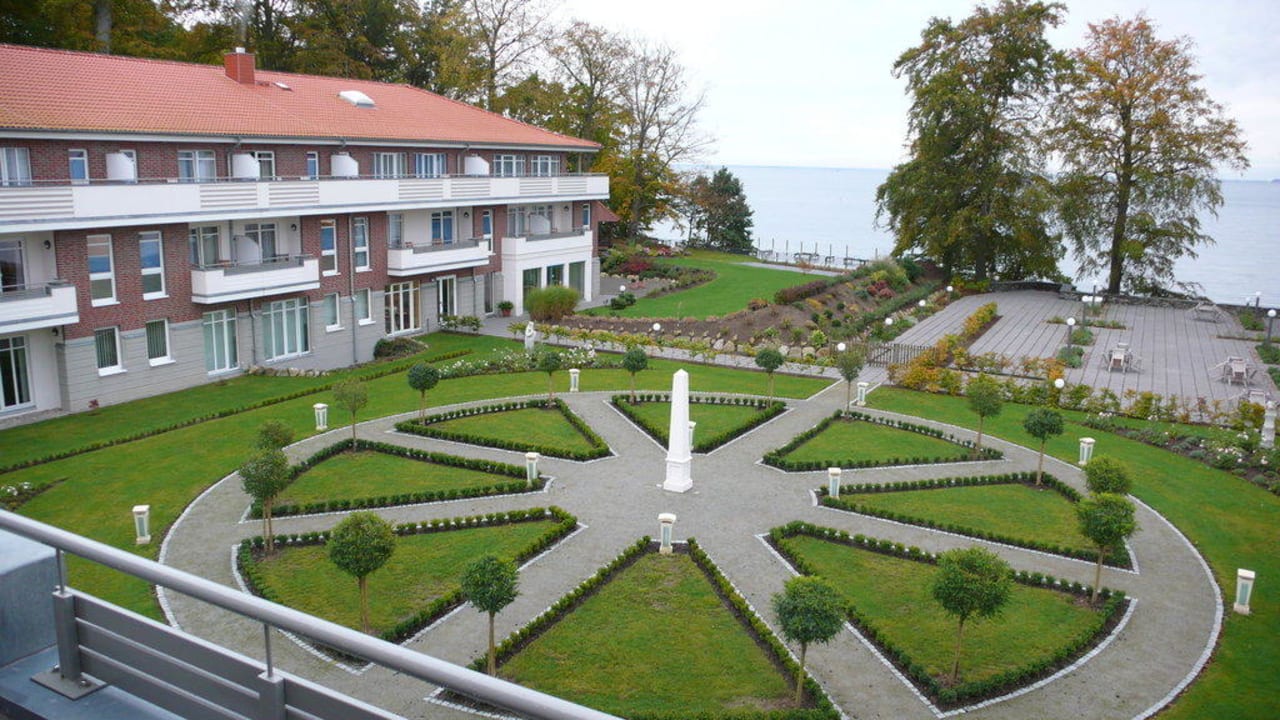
(447, 296)
(13, 265)
(102, 274)
(151, 258)
(158, 342)
(15, 383)
(106, 344)
(203, 242)
(577, 277)
(197, 166)
(401, 307)
(284, 329)
(395, 230)
(508, 165)
(545, 165)
(360, 242)
(531, 280)
(486, 224)
(15, 166)
(328, 247)
(586, 216)
(264, 236)
(364, 310)
(332, 321)
(429, 165)
(388, 165)
(555, 275)
(313, 166)
(266, 164)
(78, 160)
(442, 227)
(219, 341)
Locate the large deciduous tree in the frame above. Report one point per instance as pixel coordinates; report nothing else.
(721, 216)
(1140, 142)
(490, 584)
(971, 582)
(973, 194)
(359, 545)
(509, 33)
(809, 610)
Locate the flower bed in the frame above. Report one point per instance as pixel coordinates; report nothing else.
(777, 458)
(424, 428)
(705, 443)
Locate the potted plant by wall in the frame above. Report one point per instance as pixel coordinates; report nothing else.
(505, 307)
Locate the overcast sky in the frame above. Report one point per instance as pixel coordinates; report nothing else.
(808, 82)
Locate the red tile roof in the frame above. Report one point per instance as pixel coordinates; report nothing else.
(59, 90)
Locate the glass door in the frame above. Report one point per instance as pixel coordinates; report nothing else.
(13, 275)
(447, 296)
(15, 385)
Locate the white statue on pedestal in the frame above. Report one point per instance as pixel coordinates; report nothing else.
(530, 335)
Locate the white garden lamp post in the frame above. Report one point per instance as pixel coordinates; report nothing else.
(666, 521)
(322, 416)
(1071, 326)
(531, 467)
(1271, 319)
(142, 524)
(862, 393)
(833, 482)
(841, 347)
(1244, 590)
(1086, 451)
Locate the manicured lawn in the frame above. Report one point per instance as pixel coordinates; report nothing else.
(892, 594)
(712, 419)
(654, 638)
(848, 442)
(535, 426)
(734, 286)
(423, 568)
(1232, 522)
(352, 476)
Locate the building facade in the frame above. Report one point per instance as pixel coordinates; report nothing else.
(165, 224)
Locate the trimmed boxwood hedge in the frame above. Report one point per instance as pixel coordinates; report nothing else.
(521, 638)
(424, 427)
(436, 609)
(1114, 603)
(768, 411)
(1117, 557)
(498, 488)
(777, 458)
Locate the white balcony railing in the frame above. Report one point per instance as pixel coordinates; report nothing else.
(241, 282)
(548, 243)
(38, 306)
(56, 206)
(428, 257)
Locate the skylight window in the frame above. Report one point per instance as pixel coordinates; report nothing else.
(282, 86)
(357, 98)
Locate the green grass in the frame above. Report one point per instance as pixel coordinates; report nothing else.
(654, 638)
(735, 285)
(353, 476)
(892, 594)
(846, 442)
(1232, 522)
(712, 419)
(424, 567)
(536, 426)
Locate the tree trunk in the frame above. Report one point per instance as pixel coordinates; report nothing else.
(771, 386)
(977, 446)
(800, 675)
(1097, 574)
(354, 447)
(422, 406)
(364, 603)
(633, 388)
(266, 526)
(551, 390)
(955, 666)
(848, 394)
(493, 655)
(1040, 467)
(1124, 189)
(102, 24)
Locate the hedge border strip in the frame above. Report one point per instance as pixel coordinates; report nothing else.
(423, 427)
(777, 458)
(767, 411)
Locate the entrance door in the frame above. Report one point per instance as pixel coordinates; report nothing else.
(15, 384)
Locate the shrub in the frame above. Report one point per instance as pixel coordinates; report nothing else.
(552, 303)
(396, 348)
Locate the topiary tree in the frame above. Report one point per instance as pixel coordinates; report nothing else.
(264, 476)
(985, 400)
(971, 582)
(633, 362)
(549, 361)
(351, 395)
(359, 545)
(850, 363)
(274, 435)
(809, 610)
(1106, 520)
(1042, 424)
(1106, 474)
(490, 584)
(770, 360)
(422, 377)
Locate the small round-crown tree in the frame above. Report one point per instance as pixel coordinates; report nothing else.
(770, 360)
(274, 435)
(1105, 474)
(263, 477)
(422, 377)
(971, 582)
(809, 610)
(1106, 520)
(985, 400)
(1042, 424)
(549, 361)
(850, 363)
(633, 362)
(490, 584)
(359, 545)
(351, 395)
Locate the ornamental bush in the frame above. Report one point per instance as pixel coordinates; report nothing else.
(551, 303)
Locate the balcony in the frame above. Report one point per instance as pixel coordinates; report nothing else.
(38, 306)
(423, 258)
(554, 242)
(52, 207)
(225, 283)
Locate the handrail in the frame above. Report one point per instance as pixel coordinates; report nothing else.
(231, 180)
(424, 667)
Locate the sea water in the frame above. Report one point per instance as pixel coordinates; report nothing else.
(831, 211)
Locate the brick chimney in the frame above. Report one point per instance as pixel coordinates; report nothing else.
(239, 65)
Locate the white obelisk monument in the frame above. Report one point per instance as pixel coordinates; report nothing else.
(679, 458)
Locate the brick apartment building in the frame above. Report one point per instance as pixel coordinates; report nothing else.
(165, 224)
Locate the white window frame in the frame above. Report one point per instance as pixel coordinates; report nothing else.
(293, 324)
(166, 358)
(313, 166)
(80, 157)
(395, 230)
(486, 224)
(260, 233)
(109, 275)
(544, 166)
(361, 258)
(387, 165)
(15, 166)
(329, 256)
(364, 297)
(430, 165)
(219, 326)
(14, 351)
(98, 335)
(197, 236)
(508, 165)
(446, 295)
(197, 166)
(586, 216)
(158, 238)
(441, 218)
(331, 307)
(266, 164)
(401, 298)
